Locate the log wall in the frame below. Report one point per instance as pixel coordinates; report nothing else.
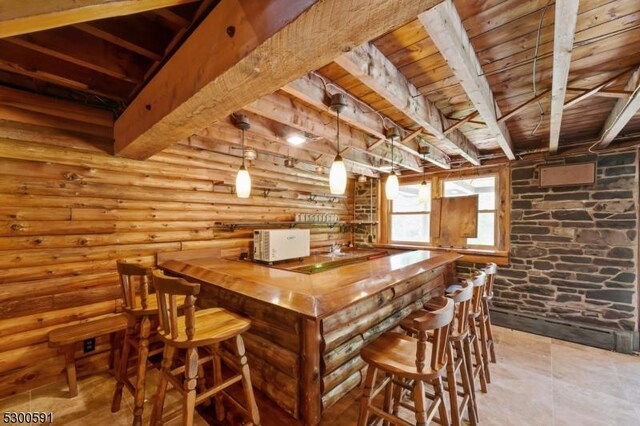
(66, 215)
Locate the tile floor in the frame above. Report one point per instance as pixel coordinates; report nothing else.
(537, 381)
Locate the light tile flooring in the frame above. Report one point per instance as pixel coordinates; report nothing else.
(537, 381)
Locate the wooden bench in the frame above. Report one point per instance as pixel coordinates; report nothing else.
(65, 339)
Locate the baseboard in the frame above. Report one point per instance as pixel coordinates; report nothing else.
(600, 337)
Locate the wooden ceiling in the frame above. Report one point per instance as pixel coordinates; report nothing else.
(432, 81)
(104, 62)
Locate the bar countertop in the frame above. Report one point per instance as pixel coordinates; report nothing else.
(313, 295)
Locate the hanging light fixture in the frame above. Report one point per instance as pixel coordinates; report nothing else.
(423, 190)
(338, 172)
(392, 186)
(243, 180)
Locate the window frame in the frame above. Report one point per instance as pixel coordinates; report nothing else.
(502, 213)
(494, 211)
(391, 213)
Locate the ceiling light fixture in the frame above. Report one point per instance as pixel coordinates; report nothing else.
(296, 139)
(392, 186)
(243, 180)
(423, 190)
(338, 172)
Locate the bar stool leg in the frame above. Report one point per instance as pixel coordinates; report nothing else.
(190, 381)
(490, 342)
(158, 402)
(70, 367)
(472, 413)
(478, 356)
(419, 400)
(439, 390)
(388, 393)
(121, 372)
(141, 370)
(366, 395)
(453, 387)
(484, 347)
(246, 381)
(217, 380)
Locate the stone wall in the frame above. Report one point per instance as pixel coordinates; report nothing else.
(366, 209)
(574, 249)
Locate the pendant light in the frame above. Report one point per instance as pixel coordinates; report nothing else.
(423, 190)
(392, 186)
(338, 171)
(243, 180)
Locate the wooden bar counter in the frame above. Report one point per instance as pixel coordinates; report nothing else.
(308, 327)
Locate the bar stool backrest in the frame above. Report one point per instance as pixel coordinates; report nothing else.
(490, 270)
(479, 280)
(134, 281)
(462, 299)
(167, 290)
(439, 321)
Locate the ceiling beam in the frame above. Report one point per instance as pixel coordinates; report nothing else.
(564, 30)
(450, 37)
(294, 114)
(243, 50)
(311, 89)
(622, 112)
(22, 17)
(372, 68)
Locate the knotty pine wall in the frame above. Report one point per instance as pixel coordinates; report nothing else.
(68, 214)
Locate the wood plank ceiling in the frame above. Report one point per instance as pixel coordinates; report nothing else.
(105, 63)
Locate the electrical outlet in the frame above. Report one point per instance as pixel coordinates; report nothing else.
(89, 345)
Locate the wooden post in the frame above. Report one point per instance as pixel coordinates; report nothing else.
(310, 362)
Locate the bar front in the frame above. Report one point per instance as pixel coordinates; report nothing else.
(307, 326)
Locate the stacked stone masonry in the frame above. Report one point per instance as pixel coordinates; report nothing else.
(574, 249)
(366, 210)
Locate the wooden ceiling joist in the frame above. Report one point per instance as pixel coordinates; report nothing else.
(294, 114)
(22, 17)
(566, 16)
(447, 32)
(367, 64)
(243, 51)
(622, 112)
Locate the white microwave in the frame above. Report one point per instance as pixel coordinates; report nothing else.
(271, 245)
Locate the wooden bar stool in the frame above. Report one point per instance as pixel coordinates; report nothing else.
(458, 361)
(141, 310)
(403, 360)
(205, 328)
(478, 369)
(490, 270)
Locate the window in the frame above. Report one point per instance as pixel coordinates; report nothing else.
(410, 217)
(485, 188)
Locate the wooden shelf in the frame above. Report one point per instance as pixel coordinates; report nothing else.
(291, 224)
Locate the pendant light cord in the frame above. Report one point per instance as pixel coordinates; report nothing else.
(391, 155)
(242, 148)
(338, 131)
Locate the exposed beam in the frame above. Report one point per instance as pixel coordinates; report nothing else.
(462, 121)
(564, 30)
(524, 105)
(450, 37)
(311, 89)
(594, 91)
(607, 93)
(622, 112)
(293, 113)
(371, 67)
(243, 50)
(22, 17)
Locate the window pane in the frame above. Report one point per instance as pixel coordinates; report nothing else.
(485, 187)
(407, 200)
(486, 230)
(410, 228)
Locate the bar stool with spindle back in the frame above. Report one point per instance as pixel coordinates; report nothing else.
(404, 358)
(458, 360)
(478, 369)
(206, 328)
(141, 309)
(490, 270)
